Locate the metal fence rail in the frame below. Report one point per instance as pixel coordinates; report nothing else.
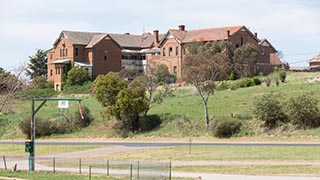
(138, 170)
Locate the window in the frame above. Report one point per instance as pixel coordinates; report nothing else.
(51, 73)
(174, 69)
(77, 51)
(143, 57)
(177, 51)
(170, 51)
(263, 52)
(63, 52)
(50, 56)
(106, 55)
(164, 52)
(241, 43)
(66, 52)
(60, 52)
(237, 45)
(56, 70)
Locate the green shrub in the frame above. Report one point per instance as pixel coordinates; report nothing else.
(222, 86)
(257, 81)
(39, 82)
(77, 76)
(86, 88)
(303, 111)
(27, 94)
(150, 122)
(269, 109)
(83, 119)
(245, 82)
(43, 128)
(283, 76)
(225, 127)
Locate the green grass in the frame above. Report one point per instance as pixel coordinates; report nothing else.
(63, 176)
(16, 150)
(56, 176)
(183, 103)
(298, 170)
(226, 153)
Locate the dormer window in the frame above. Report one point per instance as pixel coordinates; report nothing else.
(177, 51)
(263, 51)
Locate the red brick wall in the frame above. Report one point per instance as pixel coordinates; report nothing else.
(113, 63)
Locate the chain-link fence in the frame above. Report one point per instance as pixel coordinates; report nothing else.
(138, 170)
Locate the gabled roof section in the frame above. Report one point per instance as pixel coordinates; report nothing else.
(211, 34)
(95, 39)
(77, 37)
(133, 41)
(316, 58)
(265, 42)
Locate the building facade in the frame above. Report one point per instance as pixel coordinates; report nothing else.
(101, 53)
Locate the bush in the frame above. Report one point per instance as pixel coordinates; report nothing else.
(269, 109)
(150, 122)
(222, 86)
(83, 120)
(245, 82)
(43, 128)
(86, 88)
(39, 82)
(283, 76)
(77, 76)
(268, 81)
(27, 94)
(303, 111)
(225, 127)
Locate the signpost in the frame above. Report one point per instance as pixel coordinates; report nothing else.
(30, 145)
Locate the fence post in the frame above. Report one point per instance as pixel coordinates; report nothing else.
(130, 171)
(54, 165)
(4, 162)
(80, 165)
(170, 167)
(138, 169)
(108, 166)
(90, 172)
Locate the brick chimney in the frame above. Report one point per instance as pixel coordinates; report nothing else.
(156, 36)
(126, 33)
(182, 27)
(228, 33)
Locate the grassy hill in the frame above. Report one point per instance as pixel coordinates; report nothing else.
(183, 104)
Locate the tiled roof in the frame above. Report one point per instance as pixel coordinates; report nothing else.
(316, 58)
(210, 34)
(81, 38)
(95, 39)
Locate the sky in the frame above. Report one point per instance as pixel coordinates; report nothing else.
(292, 26)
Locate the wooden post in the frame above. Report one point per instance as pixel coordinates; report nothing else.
(90, 172)
(54, 165)
(5, 162)
(80, 165)
(108, 167)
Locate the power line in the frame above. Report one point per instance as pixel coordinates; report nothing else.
(304, 53)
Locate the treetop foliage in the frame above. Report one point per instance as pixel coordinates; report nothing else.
(38, 64)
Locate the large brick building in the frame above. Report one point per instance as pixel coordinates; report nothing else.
(101, 53)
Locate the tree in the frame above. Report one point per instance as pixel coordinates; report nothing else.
(245, 59)
(207, 65)
(150, 82)
(77, 76)
(122, 100)
(131, 102)
(38, 64)
(10, 83)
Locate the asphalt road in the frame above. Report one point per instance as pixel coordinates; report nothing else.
(159, 144)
